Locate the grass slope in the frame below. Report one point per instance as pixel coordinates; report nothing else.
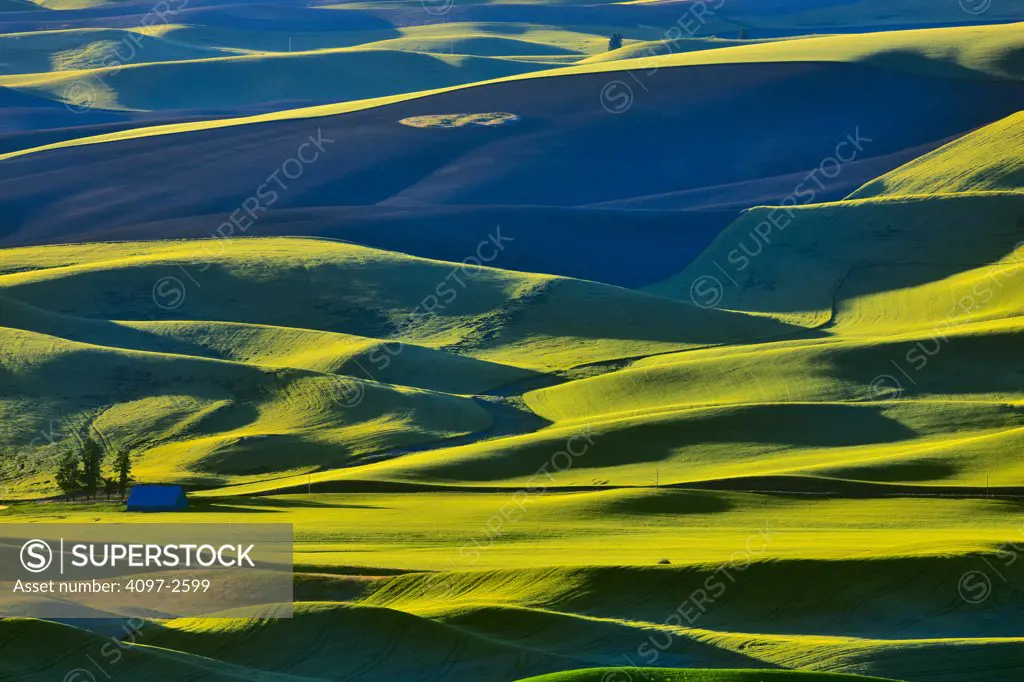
(986, 160)
(90, 48)
(657, 48)
(553, 476)
(583, 243)
(232, 82)
(346, 639)
(415, 167)
(28, 654)
(985, 52)
(572, 583)
(693, 675)
(330, 351)
(752, 264)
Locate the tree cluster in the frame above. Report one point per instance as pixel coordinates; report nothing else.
(81, 471)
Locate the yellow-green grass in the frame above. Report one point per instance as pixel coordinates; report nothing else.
(646, 49)
(39, 650)
(932, 244)
(957, 421)
(693, 675)
(511, 39)
(241, 381)
(104, 58)
(989, 51)
(986, 160)
(598, 553)
(550, 638)
(69, 4)
(238, 385)
(188, 417)
(428, 646)
(550, 39)
(346, 639)
(819, 370)
(869, 13)
(479, 44)
(949, 659)
(87, 48)
(325, 352)
(897, 281)
(691, 649)
(575, 577)
(423, 644)
(241, 38)
(795, 17)
(335, 353)
(919, 298)
(915, 442)
(976, 298)
(524, 39)
(789, 262)
(342, 74)
(539, 528)
(322, 641)
(660, 414)
(975, 52)
(570, 580)
(964, 326)
(538, 322)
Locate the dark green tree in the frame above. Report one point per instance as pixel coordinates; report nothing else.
(109, 486)
(92, 466)
(68, 476)
(123, 469)
(744, 34)
(615, 42)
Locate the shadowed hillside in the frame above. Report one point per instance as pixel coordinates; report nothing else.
(573, 341)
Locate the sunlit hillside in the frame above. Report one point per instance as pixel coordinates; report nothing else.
(576, 341)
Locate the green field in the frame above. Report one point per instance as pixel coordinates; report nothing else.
(344, 75)
(694, 675)
(779, 388)
(791, 456)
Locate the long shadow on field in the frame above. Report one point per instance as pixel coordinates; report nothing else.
(939, 364)
(630, 248)
(692, 127)
(798, 425)
(891, 598)
(598, 642)
(278, 503)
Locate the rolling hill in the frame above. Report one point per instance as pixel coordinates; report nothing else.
(253, 391)
(983, 161)
(461, 177)
(692, 360)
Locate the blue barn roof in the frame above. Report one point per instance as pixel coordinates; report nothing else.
(157, 498)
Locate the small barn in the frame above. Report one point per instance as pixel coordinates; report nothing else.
(157, 498)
